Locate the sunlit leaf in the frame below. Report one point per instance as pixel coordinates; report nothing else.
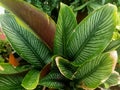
(92, 35)
(31, 80)
(93, 73)
(6, 68)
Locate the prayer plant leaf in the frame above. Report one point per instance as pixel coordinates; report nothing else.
(26, 44)
(11, 82)
(31, 79)
(93, 73)
(113, 80)
(53, 80)
(6, 68)
(92, 35)
(65, 67)
(40, 22)
(113, 45)
(65, 26)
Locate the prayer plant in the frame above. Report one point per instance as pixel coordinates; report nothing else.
(82, 55)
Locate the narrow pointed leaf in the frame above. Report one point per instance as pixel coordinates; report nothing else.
(40, 22)
(6, 68)
(8, 82)
(95, 72)
(26, 44)
(92, 35)
(53, 80)
(65, 67)
(65, 26)
(31, 80)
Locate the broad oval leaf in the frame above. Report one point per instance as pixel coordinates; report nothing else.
(26, 44)
(31, 80)
(92, 35)
(96, 71)
(65, 67)
(65, 25)
(6, 68)
(11, 82)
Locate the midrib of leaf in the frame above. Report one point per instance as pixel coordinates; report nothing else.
(91, 34)
(31, 48)
(28, 45)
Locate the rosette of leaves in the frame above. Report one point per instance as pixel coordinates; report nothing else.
(78, 59)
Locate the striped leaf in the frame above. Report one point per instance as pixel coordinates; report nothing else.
(31, 80)
(26, 44)
(11, 82)
(40, 22)
(95, 72)
(65, 26)
(65, 67)
(113, 80)
(53, 80)
(92, 35)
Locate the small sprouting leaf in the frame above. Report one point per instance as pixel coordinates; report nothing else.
(92, 35)
(53, 80)
(65, 67)
(93, 73)
(31, 80)
(6, 68)
(65, 26)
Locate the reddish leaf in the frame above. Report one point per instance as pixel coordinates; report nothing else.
(40, 22)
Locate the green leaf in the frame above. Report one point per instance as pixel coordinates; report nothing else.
(65, 67)
(113, 80)
(93, 73)
(31, 80)
(6, 68)
(41, 24)
(11, 82)
(53, 80)
(26, 44)
(113, 45)
(92, 35)
(65, 26)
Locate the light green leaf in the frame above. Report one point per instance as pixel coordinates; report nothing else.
(31, 80)
(6, 68)
(113, 80)
(65, 67)
(53, 80)
(92, 35)
(113, 45)
(26, 44)
(93, 73)
(11, 82)
(65, 25)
